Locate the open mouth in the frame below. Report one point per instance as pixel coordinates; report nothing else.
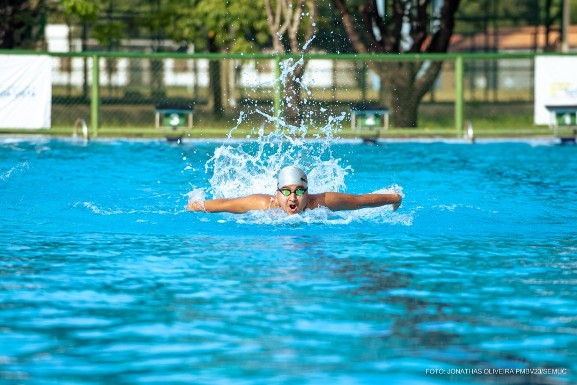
(292, 207)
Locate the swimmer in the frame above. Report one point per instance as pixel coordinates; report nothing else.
(292, 196)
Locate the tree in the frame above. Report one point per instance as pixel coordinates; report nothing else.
(403, 26)
(292, 24)
(488, 16)
(216, 26)
(22, 23)
(232, 26)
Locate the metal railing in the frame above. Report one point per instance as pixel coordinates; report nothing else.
(121, 89)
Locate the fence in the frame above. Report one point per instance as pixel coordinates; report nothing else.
(492, 89)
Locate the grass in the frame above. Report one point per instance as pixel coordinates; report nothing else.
(222, 132)
(435, 120)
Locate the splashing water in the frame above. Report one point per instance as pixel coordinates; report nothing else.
(251, 167)
(19, 168)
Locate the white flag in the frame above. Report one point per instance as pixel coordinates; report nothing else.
(25, 91)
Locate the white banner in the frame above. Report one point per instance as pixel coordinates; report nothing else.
(25, 91)
(555, 84)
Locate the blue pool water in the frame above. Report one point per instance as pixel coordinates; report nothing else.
(105, 279)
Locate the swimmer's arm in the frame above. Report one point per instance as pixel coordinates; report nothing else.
(339, 201)
(232, 205)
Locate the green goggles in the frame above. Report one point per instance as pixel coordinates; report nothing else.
(299, 191)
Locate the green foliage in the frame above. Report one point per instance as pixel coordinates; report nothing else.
(330, 35)
(233, 26)
(22, 23)
(478, 15)
(241, 25)
(83, 10)
(109, 34)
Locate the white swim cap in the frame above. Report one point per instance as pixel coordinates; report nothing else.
(291, 175)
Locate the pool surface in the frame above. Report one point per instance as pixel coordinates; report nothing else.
(106, 279)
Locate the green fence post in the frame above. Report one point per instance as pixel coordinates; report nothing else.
(95, 96)
(277, 90)
(459, 95)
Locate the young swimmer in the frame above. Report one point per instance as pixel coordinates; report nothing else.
(293, 197)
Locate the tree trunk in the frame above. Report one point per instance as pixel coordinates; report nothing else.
(215, 88)
(214, 79)
(404, 108)
(403, 87)
(285, 19)
(403, 83)
(157, 89)
(292, 96)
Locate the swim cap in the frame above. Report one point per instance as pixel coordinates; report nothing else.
(291, 175)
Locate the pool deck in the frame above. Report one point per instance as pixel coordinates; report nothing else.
(537, 132)
(533, 140)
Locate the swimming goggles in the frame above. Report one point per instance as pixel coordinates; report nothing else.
(299, 191)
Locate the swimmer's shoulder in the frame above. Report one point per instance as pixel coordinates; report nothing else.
(316, 201)
(264, 201)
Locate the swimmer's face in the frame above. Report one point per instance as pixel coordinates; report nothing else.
(293, 203)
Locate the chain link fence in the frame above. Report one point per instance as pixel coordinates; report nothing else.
(133, 88)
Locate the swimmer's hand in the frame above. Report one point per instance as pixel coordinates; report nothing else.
(195, 206)
(397, 199)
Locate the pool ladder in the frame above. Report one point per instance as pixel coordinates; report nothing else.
(77, 123)
(470, 132)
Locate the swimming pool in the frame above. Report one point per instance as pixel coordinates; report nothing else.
(105, 279)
